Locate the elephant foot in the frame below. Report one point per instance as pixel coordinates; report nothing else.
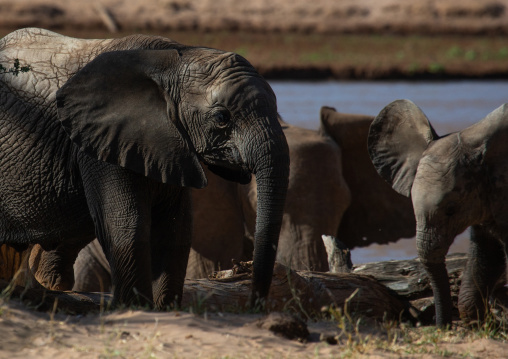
(473, 310)
(53, 281)
(51, 270)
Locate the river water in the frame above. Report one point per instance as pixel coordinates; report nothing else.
(450, 106)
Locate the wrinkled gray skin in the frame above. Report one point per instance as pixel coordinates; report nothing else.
(104, 137)
(454, 181)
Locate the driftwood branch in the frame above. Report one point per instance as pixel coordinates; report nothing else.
(339, 255)
(408, 277)
(410, 283)
(299, 291)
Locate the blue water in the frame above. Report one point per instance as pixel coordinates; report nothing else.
(450, 106)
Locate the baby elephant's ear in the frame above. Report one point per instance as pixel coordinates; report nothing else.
(117, 109)
(398, 136)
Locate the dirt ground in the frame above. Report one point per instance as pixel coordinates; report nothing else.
(142, 334)
(27, 333)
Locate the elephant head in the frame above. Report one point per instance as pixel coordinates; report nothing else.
(377, 213)
(225, 212)
(454, 181)
(316, 199)
(163, 112)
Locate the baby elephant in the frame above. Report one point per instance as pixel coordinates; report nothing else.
(455, 181)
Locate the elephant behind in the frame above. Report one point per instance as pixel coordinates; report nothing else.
(377, 213)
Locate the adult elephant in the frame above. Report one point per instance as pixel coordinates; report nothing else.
(455, 181)
(102, 138)
(377, 213)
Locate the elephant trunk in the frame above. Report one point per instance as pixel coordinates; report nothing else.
(432, 251)
(271, 168)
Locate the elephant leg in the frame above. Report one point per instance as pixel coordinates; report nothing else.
(127, 249)
(53, 268)
(120, 203)
(171, 243)
(12, 262)
(199, 266)
(485, 267)
(91, 270)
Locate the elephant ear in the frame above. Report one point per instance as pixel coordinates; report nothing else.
(118, 110)
(490, 133)
(376, 214)
(398, 136)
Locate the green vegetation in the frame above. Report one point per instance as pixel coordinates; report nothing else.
(435, 68)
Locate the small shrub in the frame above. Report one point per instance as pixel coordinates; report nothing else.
(454, 52)
(436, 68)
(470, 55)
(503, 52)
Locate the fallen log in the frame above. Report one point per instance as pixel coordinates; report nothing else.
(408, 277)
(410, 283)
(45, 300)
(300, 292)
(304, 292)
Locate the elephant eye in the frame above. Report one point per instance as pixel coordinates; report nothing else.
(222, 118)
(450, 210)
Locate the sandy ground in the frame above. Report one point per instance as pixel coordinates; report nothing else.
(141, 334)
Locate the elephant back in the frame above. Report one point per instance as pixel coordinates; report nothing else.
(377, 213)
(47, 53)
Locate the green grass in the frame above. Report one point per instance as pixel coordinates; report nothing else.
(358, 336)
